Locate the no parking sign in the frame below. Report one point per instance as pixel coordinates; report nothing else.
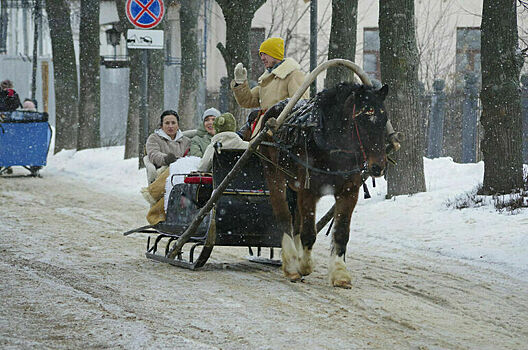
(145, 14)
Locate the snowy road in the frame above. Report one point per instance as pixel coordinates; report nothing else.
(70, 280)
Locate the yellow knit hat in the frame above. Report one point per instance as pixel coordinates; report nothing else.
(273, 47)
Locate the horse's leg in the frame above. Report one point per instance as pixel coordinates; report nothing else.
(291, 197)
(289, 254)
(306, 204)
(345, 202)
(297, 229)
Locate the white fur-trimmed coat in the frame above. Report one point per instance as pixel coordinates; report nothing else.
(229, 140)
(277, 85)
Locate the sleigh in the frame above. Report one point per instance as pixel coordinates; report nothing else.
(242, 217)
(24, 140)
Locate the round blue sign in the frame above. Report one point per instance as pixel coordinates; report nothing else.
(145, 13)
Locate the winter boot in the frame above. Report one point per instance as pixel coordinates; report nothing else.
(156, 213)
(148, 197)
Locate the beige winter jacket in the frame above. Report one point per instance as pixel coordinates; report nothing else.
(274, 86)
(229, 140)
(159, 144)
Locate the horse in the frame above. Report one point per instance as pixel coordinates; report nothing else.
(329, 144)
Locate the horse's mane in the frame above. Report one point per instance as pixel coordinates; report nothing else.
(332, 100)
(311, 120)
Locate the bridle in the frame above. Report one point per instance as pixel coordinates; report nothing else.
(354, 116)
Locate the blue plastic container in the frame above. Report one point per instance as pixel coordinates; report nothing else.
(24, 139)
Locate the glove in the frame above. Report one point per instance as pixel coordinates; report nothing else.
(240, 73)
(394, 142)
(169, 158)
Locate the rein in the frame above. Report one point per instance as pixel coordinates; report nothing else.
(356, 170)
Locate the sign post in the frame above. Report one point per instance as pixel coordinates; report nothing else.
(144, 14)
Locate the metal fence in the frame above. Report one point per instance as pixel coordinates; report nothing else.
(435, 132)
(454, 128)
(453, 124)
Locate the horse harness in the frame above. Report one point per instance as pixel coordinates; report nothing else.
(277, 143)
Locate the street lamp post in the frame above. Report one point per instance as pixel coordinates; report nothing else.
(313, 43)
(37, 24)
(113, 37)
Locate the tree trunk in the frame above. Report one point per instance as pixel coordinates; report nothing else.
(132, 148)
(89, 61)
(342, 40)
(65, 75)
(501, 101)
(399, 69)
(238, 15)
(191, 71)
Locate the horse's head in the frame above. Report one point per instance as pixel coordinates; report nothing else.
(368, 117)
(354, 120)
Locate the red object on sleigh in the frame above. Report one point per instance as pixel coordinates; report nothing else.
(199, 179)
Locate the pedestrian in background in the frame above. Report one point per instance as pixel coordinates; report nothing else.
(29, 105)
(9, 100)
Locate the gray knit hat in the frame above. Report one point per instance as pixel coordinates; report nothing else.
(211, 111)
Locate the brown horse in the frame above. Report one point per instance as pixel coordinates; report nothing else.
(328, 145)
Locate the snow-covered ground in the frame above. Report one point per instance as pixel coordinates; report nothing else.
(422, 221)
(424, 275)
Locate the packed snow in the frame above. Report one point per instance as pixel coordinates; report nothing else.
(424, 221)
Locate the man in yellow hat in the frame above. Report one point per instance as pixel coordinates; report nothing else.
(282, 78)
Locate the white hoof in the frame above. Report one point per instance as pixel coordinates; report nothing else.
(290, 259)
(338, 273)
(306, 262)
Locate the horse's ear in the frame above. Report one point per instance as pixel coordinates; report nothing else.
(382, 93)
